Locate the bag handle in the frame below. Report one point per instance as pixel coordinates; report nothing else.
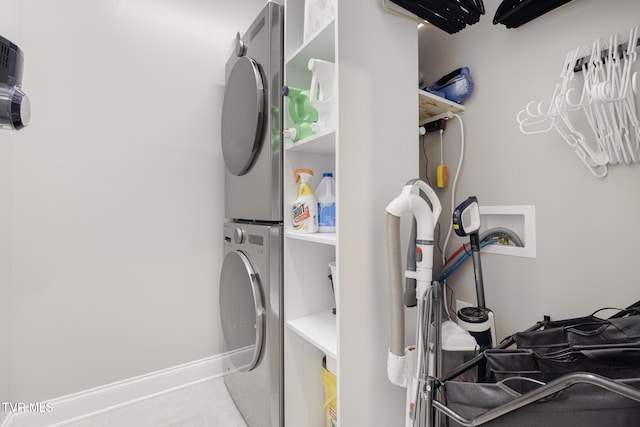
(510, 391)
(601, 324)
(622, 312)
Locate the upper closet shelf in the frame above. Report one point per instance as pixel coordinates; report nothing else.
(432, 105)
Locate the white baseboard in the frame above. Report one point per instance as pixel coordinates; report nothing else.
(90, 402)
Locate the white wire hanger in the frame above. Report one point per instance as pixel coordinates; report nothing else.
(607, 100)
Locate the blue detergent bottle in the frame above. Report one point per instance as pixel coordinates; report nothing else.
(326, 195)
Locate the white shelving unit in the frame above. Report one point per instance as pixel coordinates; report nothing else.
(372, 153)
(311, 332)
(320, 143)
(320, 330)
(324, 238)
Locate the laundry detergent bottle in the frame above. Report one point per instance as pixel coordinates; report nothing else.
(301, 112)
(326, 195)
(304, 212)
(322, 94)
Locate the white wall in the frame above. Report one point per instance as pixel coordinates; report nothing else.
(115, 190)
(8, 30)
(585, 242)
(377, 155)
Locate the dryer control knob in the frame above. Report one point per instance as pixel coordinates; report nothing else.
(239, 235)
(241, 46)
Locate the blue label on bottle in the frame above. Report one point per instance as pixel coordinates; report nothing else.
(327, 214)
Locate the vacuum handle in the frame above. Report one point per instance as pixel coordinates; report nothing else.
(468, 208)
(477, 273)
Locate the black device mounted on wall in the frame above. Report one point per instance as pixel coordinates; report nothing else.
(514, 13)
(15, 108)
(453, 15)
(448, 15)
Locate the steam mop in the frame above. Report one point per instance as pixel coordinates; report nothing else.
(479, 320)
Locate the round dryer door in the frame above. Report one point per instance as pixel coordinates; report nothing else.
(241, 311)
(242, 116)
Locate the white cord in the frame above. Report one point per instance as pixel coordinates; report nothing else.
(444, 299)
(453, 189)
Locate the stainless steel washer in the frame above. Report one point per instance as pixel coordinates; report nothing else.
(252, 122)
(250, 311)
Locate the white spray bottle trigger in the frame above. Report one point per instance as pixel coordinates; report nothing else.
(303, 177)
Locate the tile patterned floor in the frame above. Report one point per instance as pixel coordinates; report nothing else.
(207, 404)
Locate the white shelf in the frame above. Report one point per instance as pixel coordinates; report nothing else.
(324, 238)
(321, 46)
(430, 105)
(320, 330)
(320, 143)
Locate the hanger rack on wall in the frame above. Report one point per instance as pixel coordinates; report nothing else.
(514, 13)
(605, 97)
(448, 15)
(604, 54)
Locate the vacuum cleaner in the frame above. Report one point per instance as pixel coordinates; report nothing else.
(416, 367)
(405, 363)
(15, 108)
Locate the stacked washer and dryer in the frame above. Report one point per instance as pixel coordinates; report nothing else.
(251, 276)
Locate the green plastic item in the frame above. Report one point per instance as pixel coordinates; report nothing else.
(301, 112)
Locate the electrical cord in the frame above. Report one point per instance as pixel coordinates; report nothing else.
(437, 233)
(455, 183)
(448, 300)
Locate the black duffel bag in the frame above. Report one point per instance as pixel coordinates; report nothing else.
(612, 361)
(581, 405)
(623, 328)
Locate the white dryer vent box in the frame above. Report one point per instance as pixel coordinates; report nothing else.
(317, 15)
(519, 219)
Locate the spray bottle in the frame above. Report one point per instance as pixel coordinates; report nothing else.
(304, 212)
(322, 91)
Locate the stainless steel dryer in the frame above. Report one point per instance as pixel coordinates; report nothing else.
(251, 121)
(250, 307)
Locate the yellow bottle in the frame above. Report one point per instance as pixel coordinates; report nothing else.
(304, 212)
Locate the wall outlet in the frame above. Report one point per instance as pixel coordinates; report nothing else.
(519, 219)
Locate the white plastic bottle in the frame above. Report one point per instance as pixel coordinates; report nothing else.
(304, 212)
(322, 94)
(326, 195)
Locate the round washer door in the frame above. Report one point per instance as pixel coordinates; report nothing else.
(242, 116)
(241, 311)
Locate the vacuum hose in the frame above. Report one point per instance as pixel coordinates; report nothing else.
(394, 262)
